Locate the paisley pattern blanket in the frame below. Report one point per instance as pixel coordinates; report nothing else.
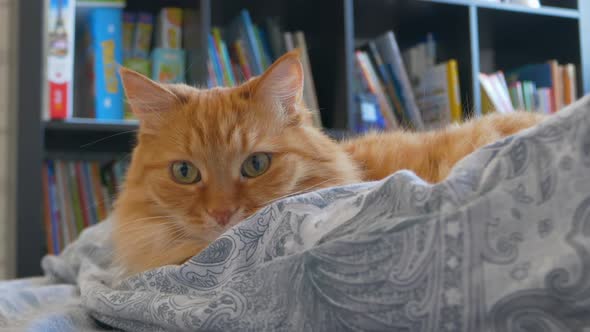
(502, 245)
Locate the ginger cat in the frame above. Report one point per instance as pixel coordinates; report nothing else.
(206, 159)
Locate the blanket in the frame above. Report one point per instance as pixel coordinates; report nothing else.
(502, 245)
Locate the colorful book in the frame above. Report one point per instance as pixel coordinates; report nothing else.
(142, 38)
(169, 28)
(60, 58)
(242, 28)
(105, 28)
(242, 59)
(168, 65)
(375, 87)
(540, 74)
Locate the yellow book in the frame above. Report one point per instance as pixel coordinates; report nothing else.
(454, 91)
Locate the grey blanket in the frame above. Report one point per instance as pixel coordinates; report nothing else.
(502, 245)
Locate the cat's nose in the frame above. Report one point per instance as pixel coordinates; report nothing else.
(223, 216)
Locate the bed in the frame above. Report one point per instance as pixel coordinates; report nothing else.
(502, 245)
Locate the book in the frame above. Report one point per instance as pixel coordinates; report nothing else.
(557, 86)
(437, 95)
(215, 62)
(142, 37)
(388, 83)
(129, 22)
(60, 58)
(529, 91)
(454, 91)
(168, 65)
(223, 57)
(106, 53)
(569, 84)
(169, 28)
(540, 74)
(47, 211)
(242, 29)
(374, 86)
(389, 50)
(493, 93)
(242, 60)
(517, 96)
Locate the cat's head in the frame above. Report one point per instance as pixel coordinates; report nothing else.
(206, 159)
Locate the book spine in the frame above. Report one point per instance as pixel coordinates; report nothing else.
(392, 55)
(47, 208)
(387, 81)
(81, 190)
(374, 85)
(224, 66)
(91, 204)
(76, 200)
(214, 56)
(230, 73)
(98, 192)
(62, 196)
(242, 59)
(60, 58)
(106, 27)
(264, 59)
(454, 91)
(251, 44)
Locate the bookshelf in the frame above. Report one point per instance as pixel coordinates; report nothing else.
(481, 35)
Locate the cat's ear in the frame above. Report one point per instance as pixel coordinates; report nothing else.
(147, 99)
(282, 83)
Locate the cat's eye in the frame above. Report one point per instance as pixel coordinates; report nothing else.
(255, 165)
(184, 172)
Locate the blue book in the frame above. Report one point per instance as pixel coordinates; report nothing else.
(106, 33)
(215, 61)
(251, 42)
(54, 206)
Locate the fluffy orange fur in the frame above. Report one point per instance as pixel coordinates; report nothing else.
(158, 221)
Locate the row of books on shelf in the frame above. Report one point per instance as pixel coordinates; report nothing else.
(244, 49)
(77, 194)
(409, 89)
(82, 58)
(85, 46)
(543, 87)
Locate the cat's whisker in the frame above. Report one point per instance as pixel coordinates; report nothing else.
(105, 138)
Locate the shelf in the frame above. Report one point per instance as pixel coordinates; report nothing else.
(544, 10)
(100, 4)
(81, 124)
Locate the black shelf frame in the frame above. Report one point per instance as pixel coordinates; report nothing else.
(337, 25)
